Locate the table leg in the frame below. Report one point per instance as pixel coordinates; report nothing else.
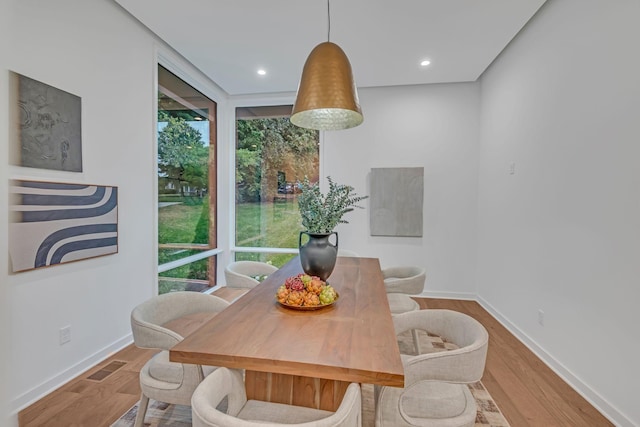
(295, 390)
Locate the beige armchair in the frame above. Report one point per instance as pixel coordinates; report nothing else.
(435, 391)
(161, 379)
(407, 280)
(400, 282)
(240, 412)
(241, 274)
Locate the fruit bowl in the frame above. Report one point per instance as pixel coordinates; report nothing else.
(306, 293)
(308, 307)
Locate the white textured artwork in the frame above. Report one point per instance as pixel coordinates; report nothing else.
(54, 223)
(396, 201)
(49, 130)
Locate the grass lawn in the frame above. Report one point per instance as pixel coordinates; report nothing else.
(275, 225)
(272, 224)
(186, 222)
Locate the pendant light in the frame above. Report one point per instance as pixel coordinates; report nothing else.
(327, 97)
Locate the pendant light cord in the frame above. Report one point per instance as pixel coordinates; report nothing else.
(329, 21)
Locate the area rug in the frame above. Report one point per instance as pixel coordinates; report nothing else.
(158, 414)
(161, 414)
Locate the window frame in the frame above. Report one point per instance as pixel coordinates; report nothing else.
(177, 66)
(231, 107)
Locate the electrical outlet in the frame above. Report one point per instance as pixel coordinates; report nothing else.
(512, 168)
(541, 317)
(65, 335)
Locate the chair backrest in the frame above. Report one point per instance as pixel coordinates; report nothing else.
(225, 383)
(148, 317)
(464, 364)
(406, 279)
(241, 274)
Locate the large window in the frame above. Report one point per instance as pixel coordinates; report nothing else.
(272, 155)
(186, 186)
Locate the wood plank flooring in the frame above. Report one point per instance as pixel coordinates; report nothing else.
(85, 402)
(526, 390)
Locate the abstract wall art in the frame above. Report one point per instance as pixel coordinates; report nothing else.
(396, 201)
(55, 223)
(48, 132)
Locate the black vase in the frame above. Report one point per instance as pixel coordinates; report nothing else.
(318, 255)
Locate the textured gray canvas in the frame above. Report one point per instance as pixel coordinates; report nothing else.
(396, 201)
(49, 127)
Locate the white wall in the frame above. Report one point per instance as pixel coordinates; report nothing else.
(98, 52)
(562, 234)
(4, 301)
(430, 126)
(88, 49)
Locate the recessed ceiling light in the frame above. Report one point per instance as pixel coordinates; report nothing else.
(262, 71)
(425, 62)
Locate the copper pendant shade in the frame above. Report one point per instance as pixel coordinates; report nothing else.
(327, 96)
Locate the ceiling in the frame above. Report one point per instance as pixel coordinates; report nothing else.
(385, 40)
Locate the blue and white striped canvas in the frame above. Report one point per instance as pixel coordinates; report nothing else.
(55, 223)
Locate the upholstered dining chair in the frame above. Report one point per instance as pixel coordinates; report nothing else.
(226, 384)
(161, 379)
(435, 391)
(405, 279)
(400, 283)
(241, 274)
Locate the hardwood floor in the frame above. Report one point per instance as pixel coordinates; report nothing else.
(526, 390)
(86, 402)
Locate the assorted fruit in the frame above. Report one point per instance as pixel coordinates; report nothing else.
(304, 290)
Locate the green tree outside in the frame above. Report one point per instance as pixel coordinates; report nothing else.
(182, 155)
(268, 146)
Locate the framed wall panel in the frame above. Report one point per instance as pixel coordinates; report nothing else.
(49, 134)
(396, 201)
(55, 223)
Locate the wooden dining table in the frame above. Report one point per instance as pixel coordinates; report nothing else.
(305, 358)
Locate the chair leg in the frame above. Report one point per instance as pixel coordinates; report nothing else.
(416, 343)
(142, 410)
(376, 393)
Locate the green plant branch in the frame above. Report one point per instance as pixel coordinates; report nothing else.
(322, 213)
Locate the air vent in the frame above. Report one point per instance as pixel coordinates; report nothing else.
(107, 370)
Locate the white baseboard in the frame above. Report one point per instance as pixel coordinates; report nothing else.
(12, 420)
(67, 375)
(448, 295)
(604, 407)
